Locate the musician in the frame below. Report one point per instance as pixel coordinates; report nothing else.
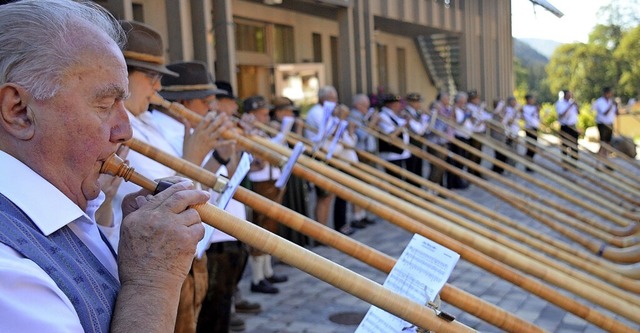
(418, 124)
(568, 111)
(479, 116)
(143, 54)
(440, 109)
(226, 99)
(62, 91)
(315, 119)
(263, 177)
(463, 132)
(226, 257)
(531, 115)
(606, 112)
(393, 124)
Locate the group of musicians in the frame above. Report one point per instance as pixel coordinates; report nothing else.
(56, 131)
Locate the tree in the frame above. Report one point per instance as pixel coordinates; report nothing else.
(628, 56)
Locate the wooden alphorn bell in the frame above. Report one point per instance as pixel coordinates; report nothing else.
(592, 160)
(294, 220)
(303, 259)
(407, 192)
(586, 177)
(533, 180)
(623, 175)
(412, 225)
(619, 180)
(587, 225)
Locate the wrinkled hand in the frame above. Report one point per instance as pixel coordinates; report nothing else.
(205, 137)
(158, 239)
(246, 123)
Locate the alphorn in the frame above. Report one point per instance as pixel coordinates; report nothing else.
(294, 220)
(407, 191)
(303, 259)
(585, 176)
(619, 179)
(591, 196)
(532, 208)
(627, 220)
(593, 228)
(412, 225)
(480, 243)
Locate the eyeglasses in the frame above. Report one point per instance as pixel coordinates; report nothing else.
(154, 77)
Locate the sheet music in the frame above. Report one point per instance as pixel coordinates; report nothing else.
(419, 274)
(327, 107)
(234, 182)
(288, 168)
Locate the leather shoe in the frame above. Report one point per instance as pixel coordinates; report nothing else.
(244, 306)
(236, 324)
(346, 230)
(277, 278)
(264, 287)
(367, 221)
(358, 224)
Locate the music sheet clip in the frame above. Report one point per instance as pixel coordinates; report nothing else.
(336, 138)
(281, 137)
(241, 172)
(288, 168)
(327, 108)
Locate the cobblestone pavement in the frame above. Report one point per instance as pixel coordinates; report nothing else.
(306, 304)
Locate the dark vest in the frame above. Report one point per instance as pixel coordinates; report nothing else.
(68, 261)
(384, 146)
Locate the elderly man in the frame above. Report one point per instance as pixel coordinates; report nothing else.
(62, 91)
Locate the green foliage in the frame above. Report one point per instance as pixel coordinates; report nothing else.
(628, 56)
(586, 118)
(548, 117)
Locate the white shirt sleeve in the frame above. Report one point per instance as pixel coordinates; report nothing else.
(50, 309)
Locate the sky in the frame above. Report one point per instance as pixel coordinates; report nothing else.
(580, 16)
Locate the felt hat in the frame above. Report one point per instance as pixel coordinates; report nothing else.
(144, 48)
(194, 82)
(254, 103)
(226, 90)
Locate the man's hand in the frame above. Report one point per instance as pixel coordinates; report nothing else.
(205, 137)
(158, 239)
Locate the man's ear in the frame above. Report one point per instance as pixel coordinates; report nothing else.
(15, 117)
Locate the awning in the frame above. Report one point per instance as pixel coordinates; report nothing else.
(546, 5)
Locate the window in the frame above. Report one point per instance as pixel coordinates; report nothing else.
(383, 71)
(284, 51)
(317, 47)
(251, 36)
(402, 70)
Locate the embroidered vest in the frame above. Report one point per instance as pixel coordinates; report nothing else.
(68, 261)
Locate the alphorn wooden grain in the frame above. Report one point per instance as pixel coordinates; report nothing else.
(412, 225)
(307, 261)
(450, 294)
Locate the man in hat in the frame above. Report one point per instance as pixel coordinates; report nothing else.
(479, 117)
(226, 100)
(393, 124)
(62, 91)
(418, 124)
(226, 257)
(144, 55)
(263, 177)
(606, 112)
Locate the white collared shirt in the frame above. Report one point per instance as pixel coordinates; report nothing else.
(23, 281)
(531, 116)
(567, 112)
(602, 105)
(388, 123)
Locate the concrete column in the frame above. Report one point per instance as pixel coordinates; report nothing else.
(174, 29)
(121, 9)
(360, 46)
(225, 46)
(202, 26)
(346, 54)
(369, 48)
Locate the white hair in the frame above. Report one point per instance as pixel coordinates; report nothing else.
(38, 41)
(326, 92)
(459, 96)
(359, 98)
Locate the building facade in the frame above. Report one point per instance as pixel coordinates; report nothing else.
(275, 47)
